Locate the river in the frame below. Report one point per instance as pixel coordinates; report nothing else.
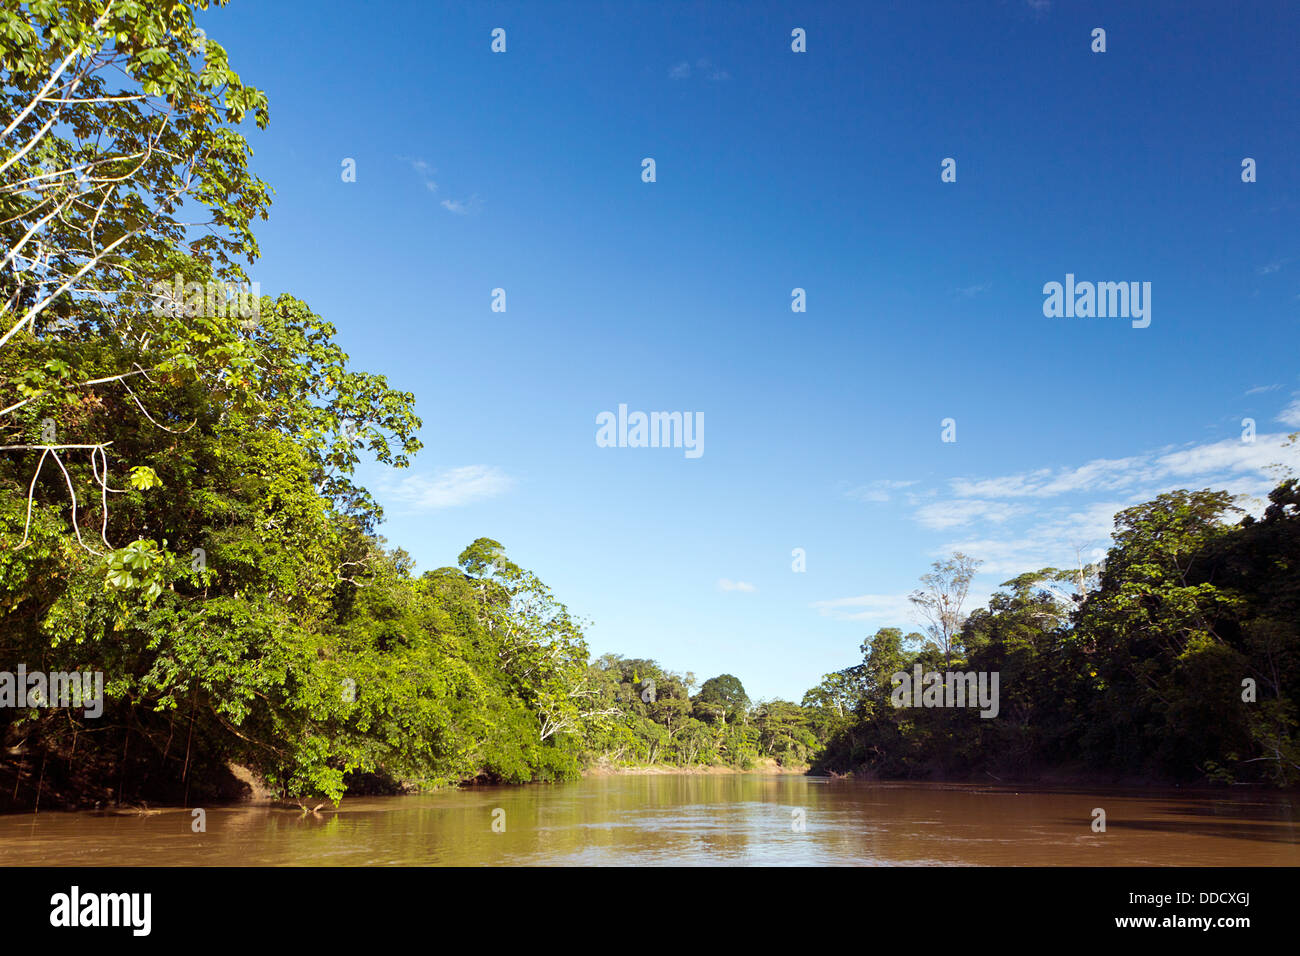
(734, 819)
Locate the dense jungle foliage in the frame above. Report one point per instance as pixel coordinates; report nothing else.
(177, 511)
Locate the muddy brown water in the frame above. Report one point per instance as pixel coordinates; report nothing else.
(693, 820)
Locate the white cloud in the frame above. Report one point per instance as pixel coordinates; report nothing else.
(703, 67)
(451, 487)
(1055, 538)
(1219, 461)
(1055, 517)
(1096, 475)
(1024, 528)
(971, 291)
(882, 608)
(1227, 460)
(462, 207)
(1261, 388)
(727, 585)
(423, 170)
(709, 71)
(887, 610)
(877, 490)
(1291, 414)
(962, 511)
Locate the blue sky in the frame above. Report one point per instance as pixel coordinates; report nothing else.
(775, 170)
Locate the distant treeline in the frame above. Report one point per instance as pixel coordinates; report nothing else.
(1177, 659)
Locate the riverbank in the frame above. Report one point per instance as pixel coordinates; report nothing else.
(1057, 777)
(611, 769)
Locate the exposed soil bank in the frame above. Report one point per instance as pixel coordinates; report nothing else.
(606, 769)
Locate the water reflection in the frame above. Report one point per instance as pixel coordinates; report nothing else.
(692, 820)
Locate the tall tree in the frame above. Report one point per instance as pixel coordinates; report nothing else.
(119, 127)
(724, 696)
(941, 598)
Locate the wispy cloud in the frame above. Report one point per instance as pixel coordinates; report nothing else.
(711, 72)
(1057, 516)
(704, 68)
(1291, 414)
(959, 512)
(1056, 537)
(878, 491)
(887, 610)
(1262, 388)
(1099, 475)
(725, 584)
(462, 207)
(1224, 461)
(423, 170)
(451, 487)
(971, 291)
(881, 608)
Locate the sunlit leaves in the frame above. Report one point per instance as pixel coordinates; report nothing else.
(143, 478)
(138, 566)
